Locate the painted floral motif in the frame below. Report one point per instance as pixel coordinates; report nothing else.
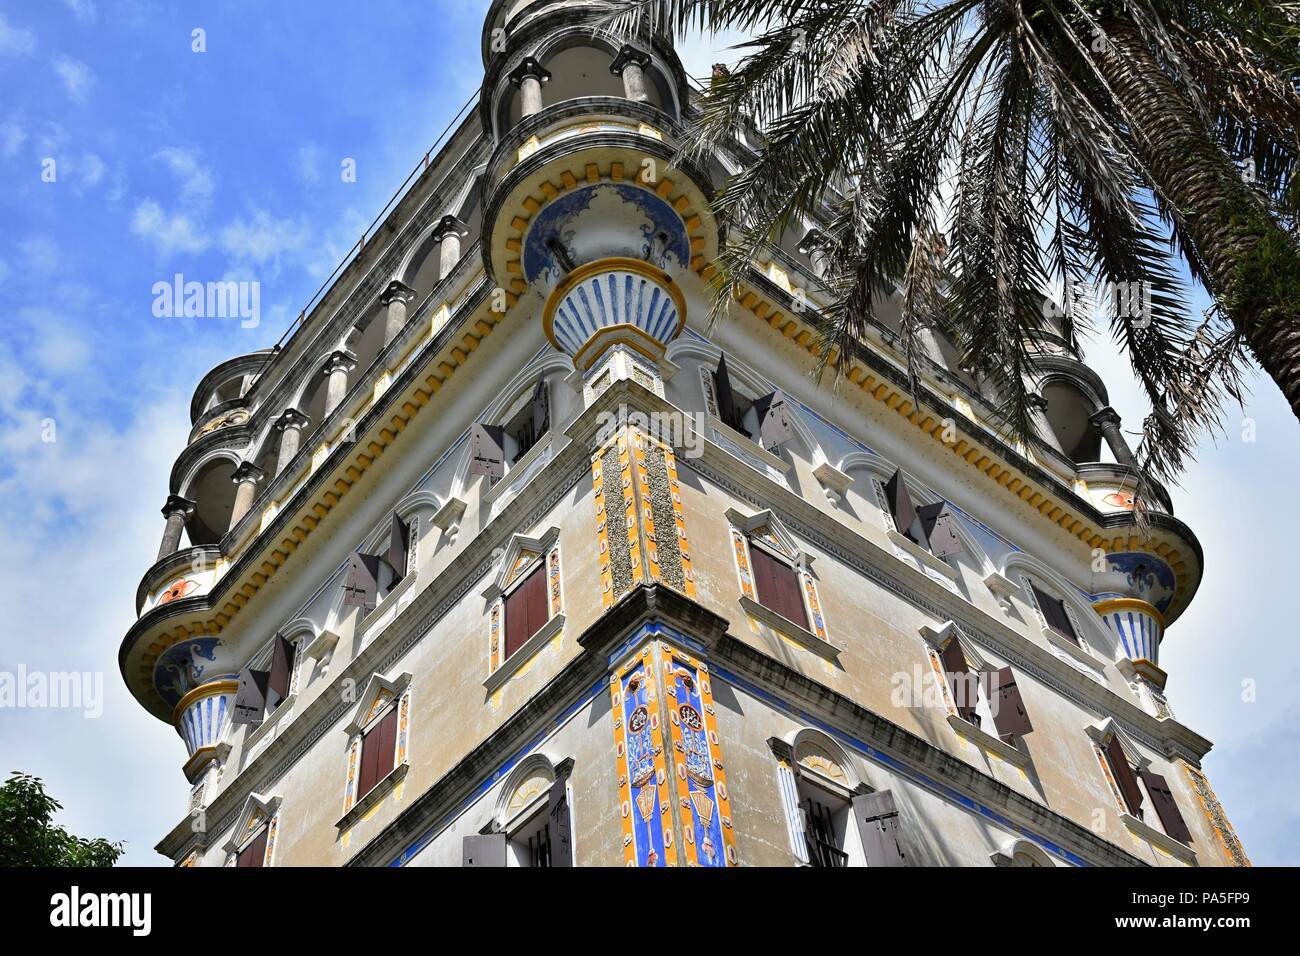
(638, 742)
(177, 590)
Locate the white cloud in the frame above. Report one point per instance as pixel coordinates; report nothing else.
(76, 77)
(89, 170)
(263, 239)
(83, 10)
(169, 232)
(12, 137)
(15, 41)
(195, 178)
(40, 256)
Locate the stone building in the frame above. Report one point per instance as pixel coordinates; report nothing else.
(508, 557)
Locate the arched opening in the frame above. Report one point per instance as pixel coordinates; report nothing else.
(313, 401)
(365, 342)
(213, 492)
(1068, 410)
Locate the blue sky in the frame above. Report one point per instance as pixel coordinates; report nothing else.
(226, 164)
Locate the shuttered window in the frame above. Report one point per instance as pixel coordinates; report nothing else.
(377, 749)
(1163, 800)
(526, 609)
(255, 853)
(961, 681)
(281, 672)
(1122, 770)
(778, 587)
(1054, 613)
(1005, 703)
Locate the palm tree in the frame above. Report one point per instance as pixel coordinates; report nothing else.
(980, 153)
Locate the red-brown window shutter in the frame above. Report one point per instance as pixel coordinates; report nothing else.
(1054, 613)
(1166, 808)
(377, 747)
(960, 680)
(526, 609)
(1008, 707)
(1123, 771)
(778, 587)
(255, 853)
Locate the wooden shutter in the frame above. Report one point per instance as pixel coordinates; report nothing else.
(541, 410)
(1163, 800)
(726, 400)
(773, 420)
(1009, 714)
(487, 451)
(1123, 773)
(281, 672)
(881, 829)
(255, 853)
(1054, 613)
(526, 609)
(399, 543)
(902, 510)
(361, 584)
(778, 587)
(484, 849)
(964, 694)
(940, 527)
(377, 749)
(250, 699)
(558, 821)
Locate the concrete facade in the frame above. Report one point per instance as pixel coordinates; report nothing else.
(664, 713)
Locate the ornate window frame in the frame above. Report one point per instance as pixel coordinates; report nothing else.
(936, 639)
(259, 813)
(522, 798)
(1101, 733)
(377, 698)
(521, 557)
(830, 768)
(766, 531)
(1085, 650)
(1008, 854)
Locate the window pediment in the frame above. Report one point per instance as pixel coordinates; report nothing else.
(378, 692)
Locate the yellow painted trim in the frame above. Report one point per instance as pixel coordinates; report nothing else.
(203, 690)
(1130, 604)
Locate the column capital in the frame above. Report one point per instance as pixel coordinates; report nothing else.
(291, 418)
(247, 471)
(629, 55)
(528, 66)
(812, 241)
(176, 505)
(448, 225)
(339, 359)
(1037, 402)
(397, 291)
(1105, 417)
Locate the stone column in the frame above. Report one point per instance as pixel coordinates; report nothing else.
(395, 299)
(1107, 422)
(1042, 425)
(246, 477)
(290, 423)
(177, 511)
(528, 78)
(813, 245)
(337, 367)
(630, 64)
(448, 234)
